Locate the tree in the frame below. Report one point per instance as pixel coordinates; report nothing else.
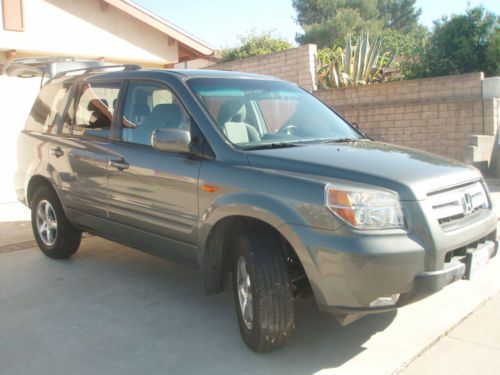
(333, 32)
(328, 22)
(462, 44)
(400, 15)
(311, 12)
(252, 45)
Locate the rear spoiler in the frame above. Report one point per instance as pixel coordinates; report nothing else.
(55, 67)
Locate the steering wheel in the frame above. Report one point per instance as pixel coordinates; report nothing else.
(288, 129)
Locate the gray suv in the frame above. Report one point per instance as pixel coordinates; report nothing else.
(253, 180)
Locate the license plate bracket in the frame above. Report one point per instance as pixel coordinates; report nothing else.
(477, 259)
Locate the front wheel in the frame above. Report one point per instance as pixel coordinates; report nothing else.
(55, 236)
(264, 301)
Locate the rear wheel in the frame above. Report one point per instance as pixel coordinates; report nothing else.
(263, 298)
(55, 236)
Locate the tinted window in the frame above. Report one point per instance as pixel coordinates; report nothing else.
(95, 108)
(150, 106)
(255, 113)
(48, 108)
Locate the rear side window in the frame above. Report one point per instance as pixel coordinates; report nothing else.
(48, 108)
(95, 109)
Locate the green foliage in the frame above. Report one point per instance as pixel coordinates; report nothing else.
(332, 32)
(399, 15)
(253, 45)
(461, 44)
(327, 22)
(404, 45)
(358, 63)
(310, 12)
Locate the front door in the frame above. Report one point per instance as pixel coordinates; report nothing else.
(153, 194)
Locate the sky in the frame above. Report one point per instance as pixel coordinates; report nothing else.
(221, 22)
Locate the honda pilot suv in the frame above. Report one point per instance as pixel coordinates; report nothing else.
(254, 181)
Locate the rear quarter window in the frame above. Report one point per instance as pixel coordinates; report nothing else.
(48, 108)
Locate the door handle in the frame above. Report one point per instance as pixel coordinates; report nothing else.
(118, 164)
(57, 152)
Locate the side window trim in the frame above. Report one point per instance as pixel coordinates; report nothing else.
(116, 126)
(71, 102)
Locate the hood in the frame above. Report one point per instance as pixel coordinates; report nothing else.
(411, 173)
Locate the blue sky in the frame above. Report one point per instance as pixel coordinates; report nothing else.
(220, 22)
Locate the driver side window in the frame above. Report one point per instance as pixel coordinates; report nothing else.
(150, 106)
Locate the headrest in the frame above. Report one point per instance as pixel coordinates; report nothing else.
(233, 110)
(165, 115)
(141, 97)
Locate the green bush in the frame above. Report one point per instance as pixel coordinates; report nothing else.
(462, 44)
(253, 45)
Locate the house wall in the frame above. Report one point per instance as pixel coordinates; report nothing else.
(296, 65)
(16, 98)
(82, 28)
(434, 114)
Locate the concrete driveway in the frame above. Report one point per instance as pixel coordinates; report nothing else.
(113, 310)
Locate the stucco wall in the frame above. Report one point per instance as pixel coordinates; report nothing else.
(433, 114)
(296, 65)
(81, 28)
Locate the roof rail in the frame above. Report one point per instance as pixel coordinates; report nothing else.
(90, 69)
(55, 66)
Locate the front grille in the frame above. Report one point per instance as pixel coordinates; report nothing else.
(457, 203)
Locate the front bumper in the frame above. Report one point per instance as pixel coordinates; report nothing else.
(425, 284)
(347, 272)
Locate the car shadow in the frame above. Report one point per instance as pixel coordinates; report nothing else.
(163, 305)
(110, 309)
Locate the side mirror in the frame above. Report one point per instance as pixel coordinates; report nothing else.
(171, 140)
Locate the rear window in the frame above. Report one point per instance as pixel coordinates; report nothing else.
(48, 108)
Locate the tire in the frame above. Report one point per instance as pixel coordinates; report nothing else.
(270, 297)
(58, 239)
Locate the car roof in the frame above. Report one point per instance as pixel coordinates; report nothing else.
(207, 73)
(159, 73)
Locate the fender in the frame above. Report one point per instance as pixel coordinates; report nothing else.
(252, 205)
(242, 204)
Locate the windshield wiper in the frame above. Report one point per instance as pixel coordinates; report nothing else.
(342, 140)
(272, 145)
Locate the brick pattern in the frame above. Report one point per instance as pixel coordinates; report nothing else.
(434, 114)
(295, 65)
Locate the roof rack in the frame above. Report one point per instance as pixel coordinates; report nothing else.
(56, 66)
(87, 70)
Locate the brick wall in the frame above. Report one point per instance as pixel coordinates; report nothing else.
(432, 114)
(296, 65)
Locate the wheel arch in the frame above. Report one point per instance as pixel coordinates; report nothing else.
(222, 227)
(34, 184)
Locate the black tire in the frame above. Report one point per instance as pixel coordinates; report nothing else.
(64, 239)
(271, 297)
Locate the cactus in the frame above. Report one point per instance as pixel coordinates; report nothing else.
(360, 63)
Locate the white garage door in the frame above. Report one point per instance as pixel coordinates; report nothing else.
(16, 98)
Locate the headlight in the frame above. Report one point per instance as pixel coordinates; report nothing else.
(365, 208)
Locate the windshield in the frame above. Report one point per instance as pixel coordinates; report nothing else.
(255, 114)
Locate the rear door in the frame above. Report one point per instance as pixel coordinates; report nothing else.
(153, 194)
(79, 154)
